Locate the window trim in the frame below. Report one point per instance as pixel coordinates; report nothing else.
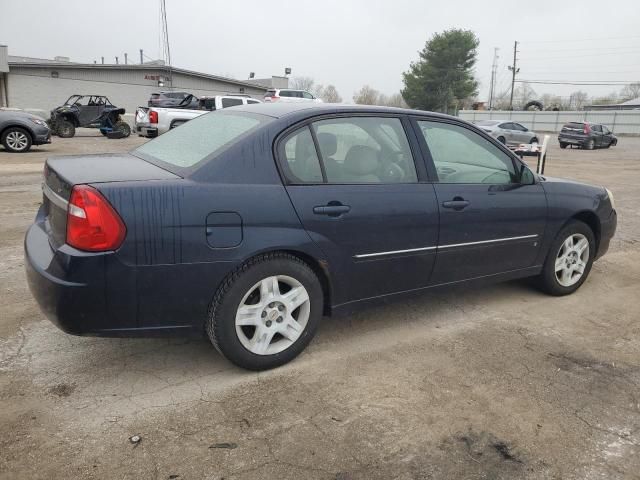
(428, 158)
(413, 141)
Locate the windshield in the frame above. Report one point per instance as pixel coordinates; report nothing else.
(486, 123)
(73, 99)
(200, 138)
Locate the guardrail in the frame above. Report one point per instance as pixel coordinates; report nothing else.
(621, 122)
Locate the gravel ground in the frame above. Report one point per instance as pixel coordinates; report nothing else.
(494, 383)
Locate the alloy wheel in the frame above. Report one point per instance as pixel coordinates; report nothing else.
(272, 315)
(572, 259)
(17, 141)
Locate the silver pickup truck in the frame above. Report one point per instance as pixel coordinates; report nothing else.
(154, 121)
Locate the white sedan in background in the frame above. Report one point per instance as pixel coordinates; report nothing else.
(508, 132)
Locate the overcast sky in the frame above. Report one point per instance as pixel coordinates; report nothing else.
(347, 43)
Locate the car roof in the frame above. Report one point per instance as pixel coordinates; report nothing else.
(284, 109)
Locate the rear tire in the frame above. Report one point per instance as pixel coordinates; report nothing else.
(16, 140)
(253, 323)
(590, 145)
(124, 128)
(563, 145)
(534, 140)
(567, 266)
(65, 129)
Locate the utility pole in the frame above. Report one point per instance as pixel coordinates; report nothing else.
(141, 57)
(494, 68)
(126, 58)
(514, 70)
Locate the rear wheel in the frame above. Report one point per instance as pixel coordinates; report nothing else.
(123, 128)
(569, 259)
(590, 145)
(266, 312)
(563, 145)
(534, 140)
(65, 129)
(16, 140)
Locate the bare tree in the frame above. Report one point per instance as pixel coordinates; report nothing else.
(366, 96)
(524, 94)
(609, 99)
(501, 100)
(302, 83)
(396, 100)
(330, 95)
(631, 91)
(577, 100)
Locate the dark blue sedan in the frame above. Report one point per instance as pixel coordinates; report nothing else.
(251, 223)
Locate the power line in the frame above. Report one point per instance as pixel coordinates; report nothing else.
(584, 83)
(547, 57)
(591, 39)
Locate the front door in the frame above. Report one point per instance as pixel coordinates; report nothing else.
(490, 221)
(354, 184)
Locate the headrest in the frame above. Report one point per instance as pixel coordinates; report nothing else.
(361, 160)
(328, 143)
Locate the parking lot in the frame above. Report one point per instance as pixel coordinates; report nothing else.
(500, 382)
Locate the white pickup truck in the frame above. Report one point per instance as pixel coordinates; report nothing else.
(154, 121)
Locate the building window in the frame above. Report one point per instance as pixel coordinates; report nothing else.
(54, 74)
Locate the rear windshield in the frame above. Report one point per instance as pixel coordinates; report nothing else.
(574, 126)
(486, 123)
(199, 138)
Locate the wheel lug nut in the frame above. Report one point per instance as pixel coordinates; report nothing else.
(271, 305)
(280, 307)
(279, 320)
(264, 314)
(268, 323)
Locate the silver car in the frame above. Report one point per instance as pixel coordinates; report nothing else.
(19, 130)
(508, 132)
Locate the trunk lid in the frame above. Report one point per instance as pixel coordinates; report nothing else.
(62, 173)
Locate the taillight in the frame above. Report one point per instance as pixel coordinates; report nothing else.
(92, 223)
(587, 129)
(153, 117)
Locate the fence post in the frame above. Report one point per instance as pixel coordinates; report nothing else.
(533, 127)
(557, 118)
(615, 116)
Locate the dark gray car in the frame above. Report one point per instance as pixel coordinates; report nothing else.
(20, 130)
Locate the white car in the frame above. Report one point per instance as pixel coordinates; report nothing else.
(508, 132)
(154, 121)
(289, 95)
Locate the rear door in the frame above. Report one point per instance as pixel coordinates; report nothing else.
(598, 136)
(521, 133)
(490, 222)
(364, 200)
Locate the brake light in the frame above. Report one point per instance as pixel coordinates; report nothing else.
(153, 117)
(587, 129)
(92, 223)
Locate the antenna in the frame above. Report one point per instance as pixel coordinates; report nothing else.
(165, 40)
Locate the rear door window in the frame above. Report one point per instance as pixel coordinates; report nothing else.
(597, 128)
(302, 162)
(365, 150)
(231, 102)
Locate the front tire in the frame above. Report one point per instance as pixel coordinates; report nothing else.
(16, 140)
(590, 145)
(534, 140)
(502, 140)
(65, 129)
(569, 259)
(266, 311)
(563, 145)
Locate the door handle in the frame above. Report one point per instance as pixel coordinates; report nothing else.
(331, 210)
(457, 204)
